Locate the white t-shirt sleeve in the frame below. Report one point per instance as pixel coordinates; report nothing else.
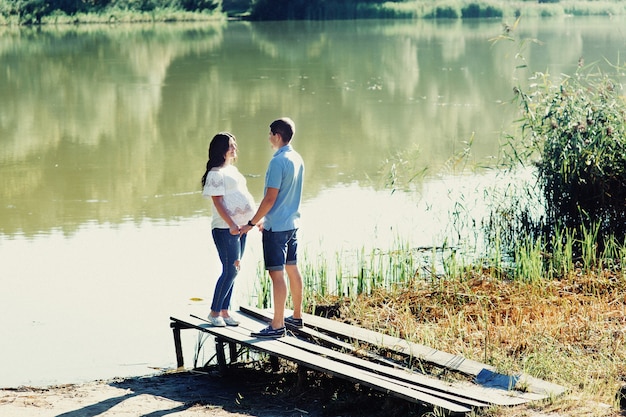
(214, 185)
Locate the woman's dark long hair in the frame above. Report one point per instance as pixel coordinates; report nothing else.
(220, 144)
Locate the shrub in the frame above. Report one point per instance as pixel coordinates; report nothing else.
(578, 129)
(446, 11)
(473, 10)
(200, 5)
(321, 9)
(32, 11)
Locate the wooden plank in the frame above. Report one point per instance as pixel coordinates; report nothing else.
(250, 324)
(276, 347)
(454, 362)
(419, 382)
(389, 368)
(464, 392)
(471, 394)
(428, 354)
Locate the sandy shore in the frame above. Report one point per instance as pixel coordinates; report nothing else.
(242, 392)
(175, 394)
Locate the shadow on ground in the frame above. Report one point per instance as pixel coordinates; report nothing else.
(255, 392)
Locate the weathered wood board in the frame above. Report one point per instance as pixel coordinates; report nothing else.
(536, 388)
(316, 362)
(467, 393)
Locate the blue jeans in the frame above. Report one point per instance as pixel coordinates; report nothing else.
(230, 248)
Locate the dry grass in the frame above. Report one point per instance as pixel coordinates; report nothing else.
(570, 331)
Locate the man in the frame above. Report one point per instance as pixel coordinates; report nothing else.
(279, 212)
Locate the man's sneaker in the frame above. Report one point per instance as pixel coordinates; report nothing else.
(269, 333)
(216, 321)
(292, 321)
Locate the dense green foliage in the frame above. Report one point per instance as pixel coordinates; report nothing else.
(429, 9)
(288, 9)
(578, 128)
(314, 9)
(33, 11)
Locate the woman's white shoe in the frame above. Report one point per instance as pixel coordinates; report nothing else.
(230, 321)
(216, 321)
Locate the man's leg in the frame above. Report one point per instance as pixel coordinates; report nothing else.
(280, 297)
(295, 286)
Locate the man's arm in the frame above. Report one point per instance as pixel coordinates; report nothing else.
(264, 207)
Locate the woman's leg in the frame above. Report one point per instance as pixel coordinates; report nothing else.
(228, 247)
(236, 254)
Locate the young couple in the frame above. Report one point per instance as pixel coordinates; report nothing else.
(278, 217)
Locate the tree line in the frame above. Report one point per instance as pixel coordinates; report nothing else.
(33, 11)
(36, 11)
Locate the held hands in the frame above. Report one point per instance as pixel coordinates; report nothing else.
(247, 227)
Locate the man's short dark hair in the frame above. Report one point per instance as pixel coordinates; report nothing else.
(285, 127)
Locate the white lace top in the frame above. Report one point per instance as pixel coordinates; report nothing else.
(228, 182)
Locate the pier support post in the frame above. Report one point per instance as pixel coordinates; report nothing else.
(232, 350)
(178, 345)
(221, 355)
(274, 363)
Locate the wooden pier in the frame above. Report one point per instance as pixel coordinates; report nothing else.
(338, 349)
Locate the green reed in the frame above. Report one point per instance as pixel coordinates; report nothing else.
(263, 286)
(562, 260)
(589, 246)
(339, 281)
(363, 271)
(315, 280)
(529, 265)
(533, 260)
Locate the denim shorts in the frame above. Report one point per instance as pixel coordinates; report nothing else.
(279, 249)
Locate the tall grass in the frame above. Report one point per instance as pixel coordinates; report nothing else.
(263, 292)
(529, 266)
(364, 272)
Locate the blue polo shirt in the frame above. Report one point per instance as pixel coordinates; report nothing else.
(285, 172)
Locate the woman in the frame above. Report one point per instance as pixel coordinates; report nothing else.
(232, 206)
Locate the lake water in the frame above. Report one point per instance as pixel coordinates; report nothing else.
(103, 138)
